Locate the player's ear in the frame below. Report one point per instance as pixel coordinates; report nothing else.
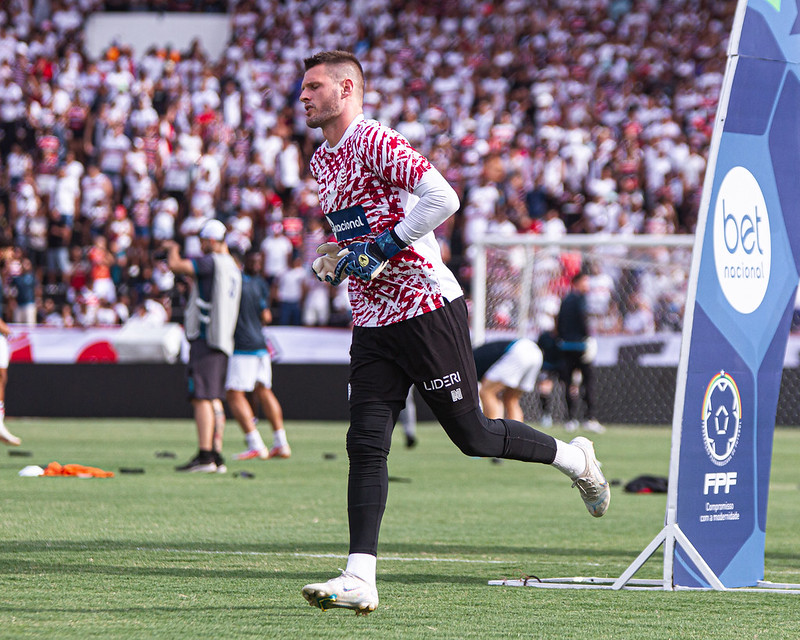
(347, 87)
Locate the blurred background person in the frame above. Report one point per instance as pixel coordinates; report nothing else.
(25, 285)
(506, 369)
(210, 323)
(250, 367)
(6, 437)
(291, 292)
(577, 352)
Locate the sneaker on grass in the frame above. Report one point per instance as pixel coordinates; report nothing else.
(220, 462)
(280, 452)
(7, 437)
(263, 454)
(198, 464)
(571, 426)
(593, 426)
(346, 591)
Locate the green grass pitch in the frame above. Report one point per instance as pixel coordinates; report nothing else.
(166, 555)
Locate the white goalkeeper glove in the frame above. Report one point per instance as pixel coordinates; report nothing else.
(324, 267)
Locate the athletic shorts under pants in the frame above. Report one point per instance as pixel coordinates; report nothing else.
(432, 351)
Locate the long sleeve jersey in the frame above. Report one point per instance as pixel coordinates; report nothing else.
(367, 184)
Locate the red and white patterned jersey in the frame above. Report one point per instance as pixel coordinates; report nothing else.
(375, 167)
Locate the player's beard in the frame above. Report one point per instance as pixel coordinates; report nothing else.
(324, 111)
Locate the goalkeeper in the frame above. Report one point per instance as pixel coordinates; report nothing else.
(383, 200)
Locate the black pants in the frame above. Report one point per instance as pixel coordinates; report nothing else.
(572, 361)
(432, 351)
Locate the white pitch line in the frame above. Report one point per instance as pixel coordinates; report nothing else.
(328, 555)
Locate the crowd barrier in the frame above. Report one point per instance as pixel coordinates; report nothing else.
(78, 373)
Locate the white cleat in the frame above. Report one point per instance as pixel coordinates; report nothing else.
(7, 437)
(346, 591)
(592, 483)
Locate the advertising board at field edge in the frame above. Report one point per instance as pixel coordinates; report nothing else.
(747, 281)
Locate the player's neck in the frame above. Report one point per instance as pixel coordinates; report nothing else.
(335, 130)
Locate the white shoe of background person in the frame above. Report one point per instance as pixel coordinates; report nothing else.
(571, 426)
(198, 465)
(262, 454)
(282, 451)
(593, 426)
(7, 437)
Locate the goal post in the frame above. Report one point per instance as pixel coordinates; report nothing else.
(523, 276)
(638, 294)
(635, 303)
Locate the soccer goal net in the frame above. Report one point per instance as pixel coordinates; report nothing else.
(638, 288)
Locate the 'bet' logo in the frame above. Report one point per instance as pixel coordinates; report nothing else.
(719, 481)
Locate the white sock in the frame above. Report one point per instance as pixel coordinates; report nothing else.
(570, 459)
(362, 565)
(254, 440)
(2, 410)
(279, 438)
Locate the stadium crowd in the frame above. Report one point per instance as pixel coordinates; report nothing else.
(566, 116)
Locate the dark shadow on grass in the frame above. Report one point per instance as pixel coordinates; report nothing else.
(37, 610)
(179, 560)
(191, 573)
(260, 610)
(128, 571)
(416, 550)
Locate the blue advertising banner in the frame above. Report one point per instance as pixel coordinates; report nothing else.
(746, 280)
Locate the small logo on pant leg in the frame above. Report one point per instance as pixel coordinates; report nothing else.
(456, 395)
(448, 380)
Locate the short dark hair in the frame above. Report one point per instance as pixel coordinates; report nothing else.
(336, 58)
(332, 57)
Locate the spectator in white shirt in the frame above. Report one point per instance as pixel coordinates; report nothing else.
(291, 290)
(277, 250)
